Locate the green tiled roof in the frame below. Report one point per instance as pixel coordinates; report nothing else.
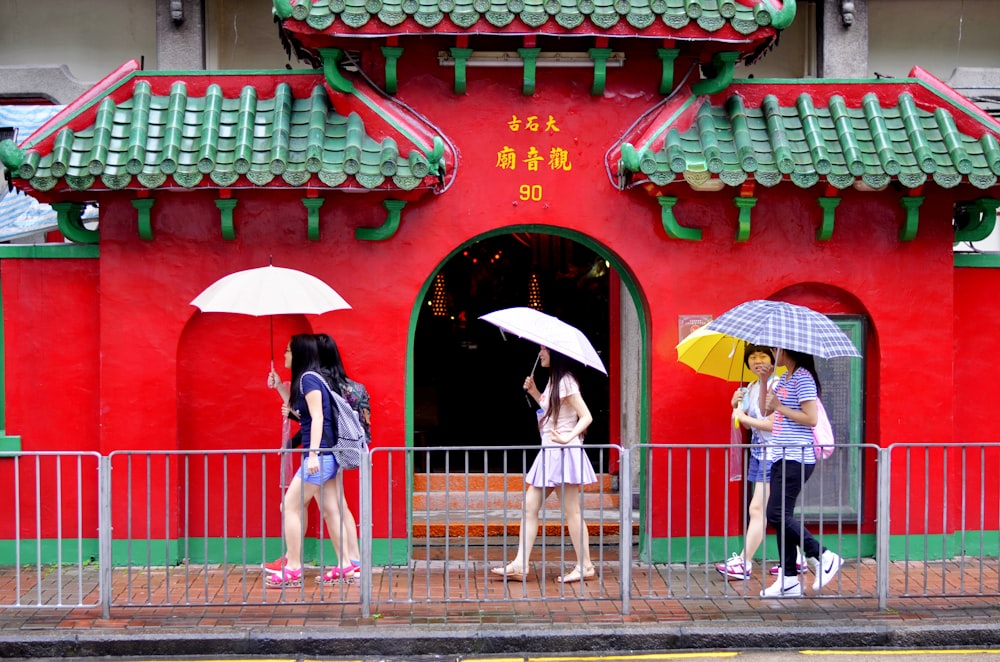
(682, 19)
(872, 131)
(142, 139)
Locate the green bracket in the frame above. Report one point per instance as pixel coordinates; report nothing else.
(392, 55)
(312, 206)
(912, 206)
(600, 57)
(461, 56)
(226, 206)
(744, 205)
(336, 80)
(670, 226)
(987, 208)
(724, 65)
(829, 206)
(667, 56)
(142, 207)
(388, 228)
(530, 58)
(70, 224)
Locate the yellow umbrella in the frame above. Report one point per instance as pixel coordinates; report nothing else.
(717, 354)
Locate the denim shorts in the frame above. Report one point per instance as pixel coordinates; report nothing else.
(328, 468)
(759, 470)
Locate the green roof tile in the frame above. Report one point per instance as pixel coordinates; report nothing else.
(686, 19)
(139, 138)
(885, 134)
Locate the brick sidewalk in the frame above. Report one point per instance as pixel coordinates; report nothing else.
(670, 608)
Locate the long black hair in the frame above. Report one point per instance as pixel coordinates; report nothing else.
(806, 361)
(559, 366)
(331, 365)
(305, 357)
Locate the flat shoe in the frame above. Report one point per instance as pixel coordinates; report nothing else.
(336, 574)
(510, 571)
(575, 575)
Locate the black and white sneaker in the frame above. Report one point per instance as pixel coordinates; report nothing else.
(783, 587)
(825, 568)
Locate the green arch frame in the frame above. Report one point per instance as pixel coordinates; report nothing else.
(629, 281)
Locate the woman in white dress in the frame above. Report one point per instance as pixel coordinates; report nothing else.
(563, 463)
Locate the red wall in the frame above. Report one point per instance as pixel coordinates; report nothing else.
(173, 378)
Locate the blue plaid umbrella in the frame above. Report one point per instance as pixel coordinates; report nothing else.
(785, 325)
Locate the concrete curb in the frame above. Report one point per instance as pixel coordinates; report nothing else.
(485, 640)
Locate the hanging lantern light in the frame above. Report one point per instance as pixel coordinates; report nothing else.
(534, 293)
(439, 297)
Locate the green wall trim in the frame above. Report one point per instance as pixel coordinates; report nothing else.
(670, 225)
(395, 551)
(979, 260)
(159, 553)
(530, 58)
(461, 56)
(226, 207)
(912, 206)
(51, 251)
(716, 549)
(600, 57)
(986, 209)
(68, 216)
(388, 228)
(829, 206)
(312, 206)
(745, 205)
(667, 57)
(723, 65)
(9, 446)
(392, 55)
(142, 208)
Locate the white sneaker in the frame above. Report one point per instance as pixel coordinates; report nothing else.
(825, 568)
(736, 567)
(783, 587)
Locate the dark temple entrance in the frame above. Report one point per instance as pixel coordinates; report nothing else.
(468, 379)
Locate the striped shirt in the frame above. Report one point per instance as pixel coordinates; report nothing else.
(792, 440)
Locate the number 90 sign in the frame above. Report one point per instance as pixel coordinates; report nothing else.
(531, 192)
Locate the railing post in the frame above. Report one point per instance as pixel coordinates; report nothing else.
(365, 479)
(883, 500)
(625, 532)
(104, 561)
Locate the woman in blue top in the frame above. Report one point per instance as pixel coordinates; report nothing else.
(310, 401)
(793, 402)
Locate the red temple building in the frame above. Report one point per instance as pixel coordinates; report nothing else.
(459, 149)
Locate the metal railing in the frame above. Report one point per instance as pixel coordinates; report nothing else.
(198, 524)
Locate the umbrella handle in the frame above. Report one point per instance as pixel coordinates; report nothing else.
(526, 396)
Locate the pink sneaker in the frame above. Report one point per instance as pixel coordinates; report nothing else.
(275, 567)
(736, 567)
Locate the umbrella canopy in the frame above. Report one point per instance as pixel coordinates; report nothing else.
(548, 331)
(269, 290)
(784, 325)
(716, 354)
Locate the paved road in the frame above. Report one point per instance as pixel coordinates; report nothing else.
(878, 655)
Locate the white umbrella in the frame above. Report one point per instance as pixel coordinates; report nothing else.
(269, 290)
(548, 331)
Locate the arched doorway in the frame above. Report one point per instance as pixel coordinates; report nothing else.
(467, 378)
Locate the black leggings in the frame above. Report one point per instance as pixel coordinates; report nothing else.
(787, 479)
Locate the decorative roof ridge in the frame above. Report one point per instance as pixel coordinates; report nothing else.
(812, 131)
(77, 106)
(379, 143)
